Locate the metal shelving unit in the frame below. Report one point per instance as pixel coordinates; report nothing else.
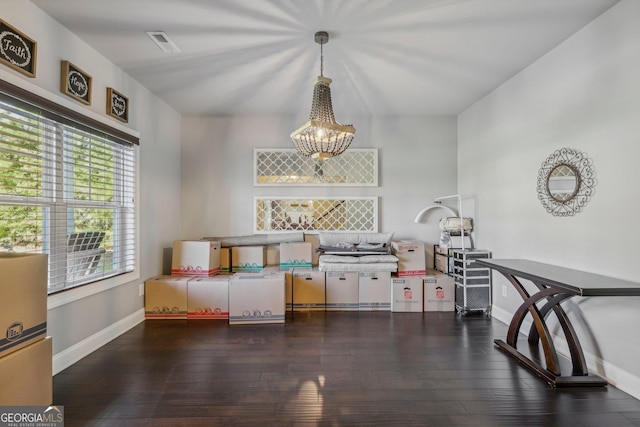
(473, 283)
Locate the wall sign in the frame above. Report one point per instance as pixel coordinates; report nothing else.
(117, 105)
(75, 82)
(17, 50)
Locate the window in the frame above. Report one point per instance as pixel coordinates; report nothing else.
(67, 188)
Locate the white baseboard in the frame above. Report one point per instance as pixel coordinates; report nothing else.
(71, 355)
(619, 378)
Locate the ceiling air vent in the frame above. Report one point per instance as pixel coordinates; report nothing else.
(161, 39)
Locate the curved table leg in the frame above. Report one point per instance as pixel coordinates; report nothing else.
(544, 311)
(529, 306)
(578, 362)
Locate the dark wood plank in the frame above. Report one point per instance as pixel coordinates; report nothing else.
(575, 281)
(337, 368)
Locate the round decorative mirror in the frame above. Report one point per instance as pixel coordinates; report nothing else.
(565, 182)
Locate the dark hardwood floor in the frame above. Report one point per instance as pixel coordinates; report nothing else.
(325, 369)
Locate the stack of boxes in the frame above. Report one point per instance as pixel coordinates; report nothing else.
(416, 288)
(210, 282)
(190, 291)
(26, 353)
(246, 285)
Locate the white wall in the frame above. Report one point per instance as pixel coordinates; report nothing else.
(83, 325)
(585, 94)
(417, 162)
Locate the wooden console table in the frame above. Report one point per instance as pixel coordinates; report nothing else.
(555, 285)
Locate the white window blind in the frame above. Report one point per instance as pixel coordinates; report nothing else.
(68, 190)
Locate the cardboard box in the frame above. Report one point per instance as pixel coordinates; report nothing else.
(411, 257)
(208, 297)
(248, 258)
(195, 258)
(441, 263)
(308, 290)
(374, 291)
(26, 376)
(439, 292)
(288, 280)
(165, 297)
(407, 294)
(23, 300)
(314, 239)
(273, 254)
(295, 255)
(257, 298)
(225, 260)
(341, 291)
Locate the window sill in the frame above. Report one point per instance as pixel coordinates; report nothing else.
(75, 294)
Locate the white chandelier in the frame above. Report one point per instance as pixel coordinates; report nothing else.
(322, 137)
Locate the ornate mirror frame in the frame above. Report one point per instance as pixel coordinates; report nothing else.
(577, 171)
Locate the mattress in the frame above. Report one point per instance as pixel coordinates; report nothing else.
(334, 239)
(364, 259)
(358, 267)
(364, 263)
(355, 250)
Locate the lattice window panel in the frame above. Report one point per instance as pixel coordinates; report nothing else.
(277, 214)
(285, 167)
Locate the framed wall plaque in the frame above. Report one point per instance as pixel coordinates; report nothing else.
(117, 105)
(17, 51)
(75, 83)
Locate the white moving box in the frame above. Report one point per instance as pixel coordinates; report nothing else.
(165, 297)
(225, 260)
(273, 254)
(341, 291)
(23, 300)
(439, 291)
(257, 298)
(374, 291)
(407, 294)
(308, 290)
(195, 258)
(248, 258)
(411, 257)
(208, 297)
(314, 239)
(26, 376)
(295, 255)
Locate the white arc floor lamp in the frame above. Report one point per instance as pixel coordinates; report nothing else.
(438, 205)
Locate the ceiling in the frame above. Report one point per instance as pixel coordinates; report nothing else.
(386, 57)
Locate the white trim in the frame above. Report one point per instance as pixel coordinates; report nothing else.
(619, 378)
(75, 294)
(53, 97)
(71, 355)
